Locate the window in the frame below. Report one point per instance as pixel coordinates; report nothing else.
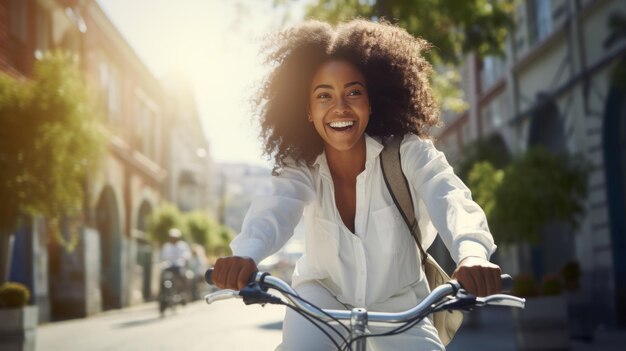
(43, 30)
(104, 84)
(18, 20)
(539, 20)
(491, 72)
(492, 115)
(110, 92)
(144, 128)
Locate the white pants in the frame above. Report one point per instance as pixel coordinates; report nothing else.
(299, 334)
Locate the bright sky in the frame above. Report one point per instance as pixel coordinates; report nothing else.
(215, 44)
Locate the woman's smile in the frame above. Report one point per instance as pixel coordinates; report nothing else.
(341, 126)
(339, 104)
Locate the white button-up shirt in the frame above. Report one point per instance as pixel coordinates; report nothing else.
(380, 259)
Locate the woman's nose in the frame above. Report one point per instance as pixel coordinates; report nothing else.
(341, 108)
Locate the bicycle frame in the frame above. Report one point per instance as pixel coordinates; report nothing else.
(447, 296)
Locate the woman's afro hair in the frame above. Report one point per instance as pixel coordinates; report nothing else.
(390, 59)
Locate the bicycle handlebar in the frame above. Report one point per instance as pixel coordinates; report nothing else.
(507, 280)
(426, 306)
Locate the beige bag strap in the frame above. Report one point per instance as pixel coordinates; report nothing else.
(446, 323)
(399, 188)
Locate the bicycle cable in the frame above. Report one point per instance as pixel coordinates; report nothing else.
(311, 320)
(347, 343)
(314, 306)
(310, 317)
(401, 329)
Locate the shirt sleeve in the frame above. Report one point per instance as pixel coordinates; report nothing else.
(461, 223)
(271, 219)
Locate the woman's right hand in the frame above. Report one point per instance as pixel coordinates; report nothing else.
(233, 272)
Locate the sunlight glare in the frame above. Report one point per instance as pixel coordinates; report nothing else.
(215, 44)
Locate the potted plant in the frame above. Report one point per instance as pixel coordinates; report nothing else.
(19, 320)
(544, 323)
(534, 190)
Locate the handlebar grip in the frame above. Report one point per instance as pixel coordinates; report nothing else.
(208, 276)
(507, 282)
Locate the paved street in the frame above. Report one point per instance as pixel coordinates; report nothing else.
(230, 325)
(226, 325)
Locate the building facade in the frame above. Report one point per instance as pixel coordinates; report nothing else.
(560, 86)
(186, 150)
(114, 264)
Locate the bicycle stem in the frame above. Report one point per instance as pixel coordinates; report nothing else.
(358, 324)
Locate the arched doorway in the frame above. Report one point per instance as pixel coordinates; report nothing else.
(108, 225)
(144, 249)
(614, 145)
(558, 244)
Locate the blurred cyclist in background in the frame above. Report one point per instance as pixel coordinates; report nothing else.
(175, 257)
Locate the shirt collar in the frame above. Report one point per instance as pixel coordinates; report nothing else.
(373, 147)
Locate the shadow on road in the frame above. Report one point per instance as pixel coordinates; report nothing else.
(138, 322)
(272, 326)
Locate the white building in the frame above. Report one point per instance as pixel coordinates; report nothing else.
(560, 86)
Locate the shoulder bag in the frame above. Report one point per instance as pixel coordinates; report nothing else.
(446, 322)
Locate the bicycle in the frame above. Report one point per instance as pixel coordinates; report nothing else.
(449, 296)
(173, 288)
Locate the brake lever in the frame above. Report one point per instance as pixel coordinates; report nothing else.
(254, 293)
(501, 300)
(221, 295)
(463, 301)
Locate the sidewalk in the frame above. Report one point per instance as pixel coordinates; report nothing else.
(228, 325)
(494, 331)
(604, 340)
(486, 330)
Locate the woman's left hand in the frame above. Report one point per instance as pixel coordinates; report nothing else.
(478, 276)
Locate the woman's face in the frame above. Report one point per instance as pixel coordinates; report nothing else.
(339, 104)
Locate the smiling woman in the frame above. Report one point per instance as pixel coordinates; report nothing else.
(332, 101)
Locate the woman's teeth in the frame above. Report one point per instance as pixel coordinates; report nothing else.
(341, 124)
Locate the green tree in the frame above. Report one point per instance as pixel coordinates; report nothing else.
(224, 236)
(491, 149)
(199, 225)
(535, 189)
(164, 218)
(484, 181)
(452, 26)
(49, 138)
(205, 231)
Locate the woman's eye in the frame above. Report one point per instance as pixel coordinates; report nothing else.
(354, 93)
(323, 96)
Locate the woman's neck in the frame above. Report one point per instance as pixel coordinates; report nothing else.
(347, 165)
